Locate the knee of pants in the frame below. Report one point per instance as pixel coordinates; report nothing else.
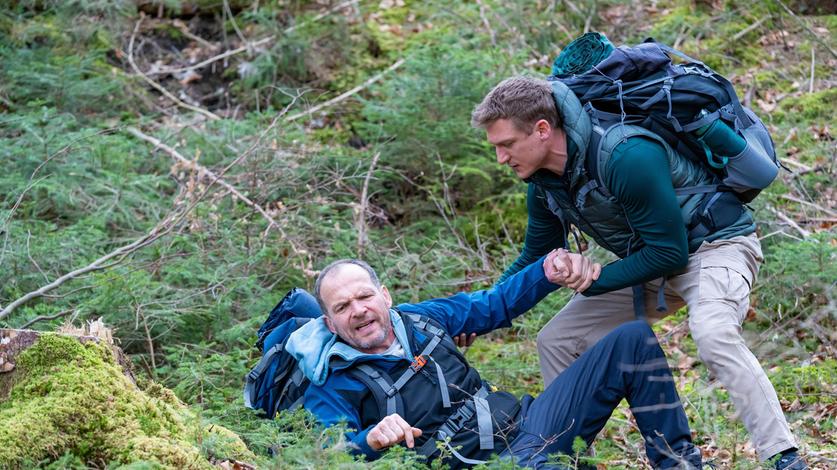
(637, 330)
(715, 343)
(548, 342)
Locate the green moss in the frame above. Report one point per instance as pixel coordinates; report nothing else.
(814, 383)
(71, 398)
(809, 106)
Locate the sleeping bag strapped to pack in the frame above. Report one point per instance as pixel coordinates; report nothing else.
(276, 383)
(641, 85)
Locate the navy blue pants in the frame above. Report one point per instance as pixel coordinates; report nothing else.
(627, 363)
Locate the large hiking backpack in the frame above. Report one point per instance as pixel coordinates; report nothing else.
(276, 383)
(641, 85)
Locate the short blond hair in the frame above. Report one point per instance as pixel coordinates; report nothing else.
(522, 100)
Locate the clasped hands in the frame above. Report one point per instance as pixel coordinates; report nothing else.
(561, 267)
(571, 270)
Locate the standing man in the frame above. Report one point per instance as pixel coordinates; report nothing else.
(540, 130)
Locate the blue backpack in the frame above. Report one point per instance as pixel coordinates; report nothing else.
(276, 383)
(641, 85)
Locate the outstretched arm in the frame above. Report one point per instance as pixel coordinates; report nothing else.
(486, 310)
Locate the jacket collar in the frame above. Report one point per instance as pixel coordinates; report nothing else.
(313, 346)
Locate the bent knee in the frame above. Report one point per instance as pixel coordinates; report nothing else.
(635, 330)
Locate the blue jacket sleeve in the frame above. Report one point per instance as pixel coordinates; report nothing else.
(486, 310)
(330, 408)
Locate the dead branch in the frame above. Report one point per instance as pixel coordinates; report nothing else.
(119, 254)
(164, 227)
(156, 85)
(45, 318)
(487, 25)
(347, 94)
(753, 26)
(364, 204)
(813, 63)
(204, 172)
(810, 204)
(784, 218)
(807, 28)
(252, 45)
(184, 29)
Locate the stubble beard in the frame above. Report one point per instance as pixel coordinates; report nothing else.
(376, 341)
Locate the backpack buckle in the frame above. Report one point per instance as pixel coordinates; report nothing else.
(418, 363)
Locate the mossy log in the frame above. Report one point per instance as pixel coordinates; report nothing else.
(74, 394)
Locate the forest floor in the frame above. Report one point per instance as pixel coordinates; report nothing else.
(175, 167)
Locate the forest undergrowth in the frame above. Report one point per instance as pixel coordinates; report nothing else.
(175, 167)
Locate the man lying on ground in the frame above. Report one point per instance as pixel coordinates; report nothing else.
(394, 376)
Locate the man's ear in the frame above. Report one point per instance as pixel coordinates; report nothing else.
(544, 129)
(328, 324)
(387, 297)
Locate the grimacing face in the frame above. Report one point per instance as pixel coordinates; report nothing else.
(358, 311)
(523, 153)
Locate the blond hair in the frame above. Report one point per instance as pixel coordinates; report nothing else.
(522, 100)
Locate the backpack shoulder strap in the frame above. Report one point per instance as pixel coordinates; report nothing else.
(379, 383)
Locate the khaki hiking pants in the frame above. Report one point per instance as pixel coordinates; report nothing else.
(716, 287)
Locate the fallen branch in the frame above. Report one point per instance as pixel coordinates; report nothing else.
(789, 221)
(119, 254)
(156, 85)
(45, 318)
(162, 228)
(203, 172)
(364, 204)
(811, 204)
(746, 30)
(347, 94)
(807, 28)
(487, 25)
(252, 45)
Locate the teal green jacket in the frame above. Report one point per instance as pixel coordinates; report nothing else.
(640, 178)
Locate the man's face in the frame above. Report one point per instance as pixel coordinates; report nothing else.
(358, 311)
(524, 153)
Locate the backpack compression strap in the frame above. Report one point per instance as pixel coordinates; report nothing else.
(476, 405)
(250, 392)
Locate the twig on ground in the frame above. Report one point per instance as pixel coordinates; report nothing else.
(784, 218)
(807, 28)
(347, 94)
(811, 204)
(156, 85)
(184, 29)
(805, 171)
(589, 20)
(746, 30)
(252, 45)
(364, 204)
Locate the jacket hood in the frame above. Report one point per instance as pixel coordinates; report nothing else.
(577, 124)
(313, 346)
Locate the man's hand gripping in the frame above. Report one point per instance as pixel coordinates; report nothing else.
(571, 270)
